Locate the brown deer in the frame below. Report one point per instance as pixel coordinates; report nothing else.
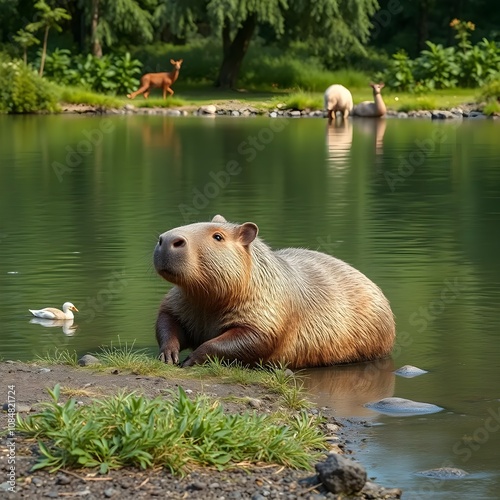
(158, 80)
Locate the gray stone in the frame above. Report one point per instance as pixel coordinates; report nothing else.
(235, 113)
(173, 112)
(254, 403)
(5, 486)
(289, 373)
(129, 107)
(444, 473)
(409, 371)
(294, 113)
(44, 370)
(402, 114)
(401, 406)
(88, 360)
(109, 492)
(208, 109)
(52, 494)
(198, 485)
(62, 479)
(372, 490)
(258, 496)
(273, 114)
(341, 475)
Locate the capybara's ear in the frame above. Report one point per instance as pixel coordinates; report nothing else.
(219, 218)
(172, 61)
(247, 233)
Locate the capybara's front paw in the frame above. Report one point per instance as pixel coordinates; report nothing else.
(197, 357)
(169, 356)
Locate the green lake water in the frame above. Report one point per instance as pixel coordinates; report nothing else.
(415, 205)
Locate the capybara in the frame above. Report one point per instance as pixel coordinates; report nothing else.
(237, 299)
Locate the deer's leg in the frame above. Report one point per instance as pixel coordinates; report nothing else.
(146, 94)
(142, 89)
(170, 91)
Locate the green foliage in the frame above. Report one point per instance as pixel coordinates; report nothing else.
(25, 39)
(491, 90)
(419, 103)
(399, 74)
(108, 74)
(48, 18)
(178, 434)
(23, 91)
(438, 67)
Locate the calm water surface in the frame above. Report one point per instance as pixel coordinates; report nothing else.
(415, 205)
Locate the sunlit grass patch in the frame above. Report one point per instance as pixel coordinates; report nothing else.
(169, 102)
(420, 103)
(179, 434)
(79, 392)
(301, 100)
(76, 95)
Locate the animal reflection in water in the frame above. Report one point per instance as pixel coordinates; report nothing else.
(340, 136)
(339, 142)
(346, 388)
(374, 128)
(67, 325)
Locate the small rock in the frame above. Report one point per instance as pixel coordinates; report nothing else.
(62, 479)
(208, 109)
(10, 362)
(44, 370)
(332, 427)
(51, 494)
(402, 114)
(341, 475)
(198, 485)
(173, 112)
(372, 490)
(214, 486)
(254, 403)
(273, 114)
(444, 473)
(289, 373)
(115, 372)
(37, 481)
(129, 107)
(409, 371)
(401, 406)
(109, 492)
(258, 496)
(5, 486)
(88, 360)
(235, 113)
(294, 114)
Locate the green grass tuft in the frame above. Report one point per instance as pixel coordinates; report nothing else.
(59, 357)
(179, 434)
(76, 95)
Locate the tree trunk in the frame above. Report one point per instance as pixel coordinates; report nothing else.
(234, 52)
(423, 24)
(44, 50)
(96, 44)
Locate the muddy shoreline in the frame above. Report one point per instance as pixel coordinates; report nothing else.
(30, 381)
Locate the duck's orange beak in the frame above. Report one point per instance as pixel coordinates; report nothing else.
(74, 309)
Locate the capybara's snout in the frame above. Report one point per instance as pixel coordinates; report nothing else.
(169, 250)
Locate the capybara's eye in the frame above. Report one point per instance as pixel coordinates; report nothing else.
(218, 237)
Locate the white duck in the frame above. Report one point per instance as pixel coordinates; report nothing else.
(53, 313)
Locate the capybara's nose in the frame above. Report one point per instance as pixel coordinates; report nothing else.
(168, 242)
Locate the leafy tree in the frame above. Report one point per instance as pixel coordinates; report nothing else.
(110, 18)
(336, 23)
(25, 39)
(49, 18)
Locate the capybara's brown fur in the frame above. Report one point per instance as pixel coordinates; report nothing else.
(237, 299)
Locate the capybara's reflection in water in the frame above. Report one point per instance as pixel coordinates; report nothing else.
(346, 388)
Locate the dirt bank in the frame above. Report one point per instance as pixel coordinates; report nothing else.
(28, 383)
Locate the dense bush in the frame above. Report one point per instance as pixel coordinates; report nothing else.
(439, 67)
(108, 74)
(22, 90)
